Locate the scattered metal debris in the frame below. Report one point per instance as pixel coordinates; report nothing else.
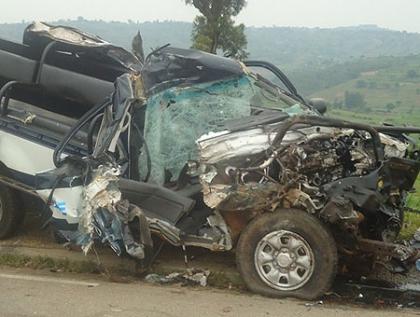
(318, 303)
(190, 277)
(378, 293)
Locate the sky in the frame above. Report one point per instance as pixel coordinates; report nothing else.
(400, 15)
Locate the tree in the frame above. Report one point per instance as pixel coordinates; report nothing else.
(373, 85)
(354, 100)
(338, 103)
(361, 84)
(390, 106)
(412, 74)
(215, 28)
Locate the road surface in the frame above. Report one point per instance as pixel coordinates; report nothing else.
(33, 293)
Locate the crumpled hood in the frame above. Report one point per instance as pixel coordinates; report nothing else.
(320, 153)
(224, 145)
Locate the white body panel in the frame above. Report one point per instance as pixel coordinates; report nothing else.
(66, 203)
(31, 158)
(23, 155)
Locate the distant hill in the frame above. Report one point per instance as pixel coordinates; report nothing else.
(389, 88)
(289, 47)
(310, 79)
(315, 47)
(368, 60)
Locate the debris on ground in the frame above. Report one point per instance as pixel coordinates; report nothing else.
(378, 293)
(187, 278)
(318, 303)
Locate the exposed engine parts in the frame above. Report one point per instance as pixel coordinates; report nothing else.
(332, 169)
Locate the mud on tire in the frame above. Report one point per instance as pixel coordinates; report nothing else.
(294, 227)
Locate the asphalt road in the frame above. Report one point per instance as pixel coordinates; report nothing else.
(32, 293)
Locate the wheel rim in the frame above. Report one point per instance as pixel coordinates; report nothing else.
(284, 260)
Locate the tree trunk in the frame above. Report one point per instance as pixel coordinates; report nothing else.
(215, 43)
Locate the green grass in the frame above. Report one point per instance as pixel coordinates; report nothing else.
(382, 86)
(414, 199)
(411, 224)
(43, 262)
(377, 118)
(412, 220)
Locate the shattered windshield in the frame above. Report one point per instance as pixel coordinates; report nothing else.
(176, 117)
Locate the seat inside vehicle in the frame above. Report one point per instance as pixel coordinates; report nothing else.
(43, 121)
(76, 78)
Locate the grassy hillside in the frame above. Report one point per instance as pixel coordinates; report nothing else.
(390, 93)
(314, 79)
(293, 48)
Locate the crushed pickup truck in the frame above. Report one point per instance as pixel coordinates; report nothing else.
(201, 151)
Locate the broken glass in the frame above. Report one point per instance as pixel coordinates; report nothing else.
(177, 117)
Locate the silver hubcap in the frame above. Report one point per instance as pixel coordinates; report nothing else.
(284, 260)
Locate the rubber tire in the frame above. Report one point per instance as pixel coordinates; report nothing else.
(12, 215)
(312, 230)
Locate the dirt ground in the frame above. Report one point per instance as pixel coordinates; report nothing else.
(28, 293)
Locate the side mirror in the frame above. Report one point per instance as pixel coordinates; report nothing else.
(319, 104)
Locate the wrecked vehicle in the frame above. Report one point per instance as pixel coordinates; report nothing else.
(200, 151)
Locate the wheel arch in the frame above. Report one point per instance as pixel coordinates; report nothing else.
(238, 221)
